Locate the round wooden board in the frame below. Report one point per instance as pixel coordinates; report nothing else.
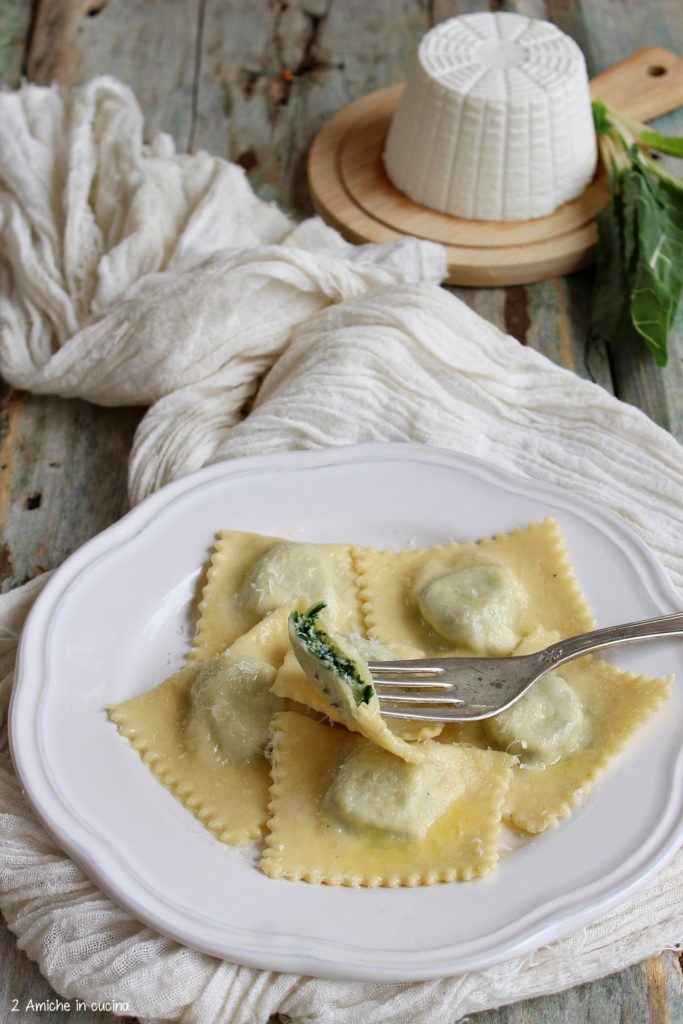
(351, 191)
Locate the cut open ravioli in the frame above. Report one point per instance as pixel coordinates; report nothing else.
(336, 664)
(528, 573)
(615, 705)
(251, 575)
(292, 683)
(309, 840)
(208, 757)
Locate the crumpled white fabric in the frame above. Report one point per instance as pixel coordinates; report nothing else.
(129, 274)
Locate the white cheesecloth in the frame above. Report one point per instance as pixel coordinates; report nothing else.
(129, 274)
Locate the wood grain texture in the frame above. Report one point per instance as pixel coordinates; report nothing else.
(15, 23)
(254, 83)
(51, 53)
(274, 73)
(647, 993)
(57, 455)
(645, 85)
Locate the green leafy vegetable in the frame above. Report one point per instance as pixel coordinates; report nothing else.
(318, 642)
(639, 275)
(601, 118)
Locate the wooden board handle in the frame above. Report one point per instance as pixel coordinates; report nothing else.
(646, 85)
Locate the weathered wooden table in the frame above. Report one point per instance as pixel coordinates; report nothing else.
(253, 81)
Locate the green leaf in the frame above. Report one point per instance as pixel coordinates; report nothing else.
(657, 281)
(610, 307)
(601, 119)
(640, 235)
(670, 192)
(662, 143)
(629, 191)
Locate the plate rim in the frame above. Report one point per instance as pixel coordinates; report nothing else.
(424, 965)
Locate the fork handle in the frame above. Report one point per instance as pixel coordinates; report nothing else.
(566, 650)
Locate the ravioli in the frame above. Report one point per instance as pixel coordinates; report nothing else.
(285, 572)
(308, 841)
(292, 683)
(532, 563)
(231, 705)
(341, 675)
(476, 605)
(360, 801)
(217, 771)
(250, 575)
(613, 703)
(616, 704)
(374, 792)
(547, 723)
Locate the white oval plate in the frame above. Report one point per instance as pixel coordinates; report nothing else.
(115, 619)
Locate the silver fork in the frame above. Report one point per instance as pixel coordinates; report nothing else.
(469, 689)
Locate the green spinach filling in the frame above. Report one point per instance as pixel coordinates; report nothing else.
(321, 646)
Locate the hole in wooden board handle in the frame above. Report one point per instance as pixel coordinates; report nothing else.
(657, 70)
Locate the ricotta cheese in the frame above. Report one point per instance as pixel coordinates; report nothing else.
(495, 122)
